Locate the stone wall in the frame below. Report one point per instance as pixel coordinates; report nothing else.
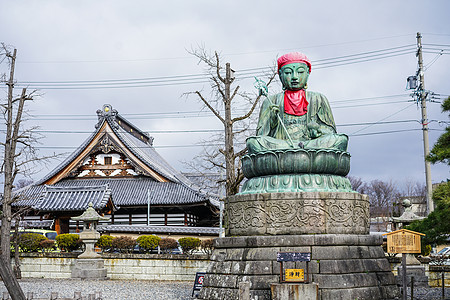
(344, 266)
(119, 266)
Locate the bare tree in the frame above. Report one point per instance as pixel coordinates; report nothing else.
(382, 197)
(10, 170)
(17, 216)
(358, 184)
(21, 183)
(223, 104)
(20, 155)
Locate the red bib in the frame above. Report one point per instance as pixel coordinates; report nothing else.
(295, 102)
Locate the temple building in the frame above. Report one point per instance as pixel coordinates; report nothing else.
(119, 171)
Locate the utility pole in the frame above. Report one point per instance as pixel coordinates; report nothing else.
(229, 147)
(422, 99)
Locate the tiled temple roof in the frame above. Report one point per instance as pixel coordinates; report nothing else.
(131, 192)
(71, 198)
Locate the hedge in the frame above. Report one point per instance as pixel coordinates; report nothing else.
(148, 242)
(105, 243)
(68, 242)
(124, 244)
(29, 242)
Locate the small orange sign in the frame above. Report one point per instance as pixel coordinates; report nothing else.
(294, 275)
(403, 241)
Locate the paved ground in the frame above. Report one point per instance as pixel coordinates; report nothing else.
(139, 289)
(110, 289)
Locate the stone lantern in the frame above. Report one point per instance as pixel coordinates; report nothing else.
(414, 269)
(90, 235)
(407, 217)
(89, 264)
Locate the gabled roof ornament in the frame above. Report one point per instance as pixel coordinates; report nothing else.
(107, 113)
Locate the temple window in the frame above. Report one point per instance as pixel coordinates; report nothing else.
(108, 160)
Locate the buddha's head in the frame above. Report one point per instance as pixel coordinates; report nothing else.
(294, 69)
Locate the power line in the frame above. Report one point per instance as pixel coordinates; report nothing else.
(384, 132)
(163, 115)
(228, 54)
(221, 130)
(238, 143)
(383, 119)
(364, 55)
(202, 78)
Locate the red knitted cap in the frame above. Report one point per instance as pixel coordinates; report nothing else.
(293, 57)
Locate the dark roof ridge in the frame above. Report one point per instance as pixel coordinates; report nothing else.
(84, 187)
(121, 118)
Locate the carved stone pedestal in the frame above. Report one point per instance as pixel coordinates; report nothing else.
(343, 266)
(297, 213)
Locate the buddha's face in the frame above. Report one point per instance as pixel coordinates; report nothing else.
(294, 76)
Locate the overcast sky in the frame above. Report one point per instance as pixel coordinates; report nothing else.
(62, 42)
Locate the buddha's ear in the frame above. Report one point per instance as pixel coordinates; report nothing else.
(281, 77)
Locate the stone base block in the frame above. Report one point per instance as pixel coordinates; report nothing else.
(343, 266)
(89, 269)
(308, 291)
(297, 213)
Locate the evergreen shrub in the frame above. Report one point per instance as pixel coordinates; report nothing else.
(105, 243)
(29, 242)
(148, 242)
(189, 244)
(68, 242)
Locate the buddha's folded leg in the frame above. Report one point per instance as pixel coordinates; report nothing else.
(257, 144)
(328, 141)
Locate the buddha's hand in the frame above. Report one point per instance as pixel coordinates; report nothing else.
(314, 130)
(274, 111)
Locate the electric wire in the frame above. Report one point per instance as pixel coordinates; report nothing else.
(228, 54)
(393, 114)
(237, 143)
(183, 131)
(202, 78)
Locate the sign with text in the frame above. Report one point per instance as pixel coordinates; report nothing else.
(294, 275)
(403, 241)
(293, 256)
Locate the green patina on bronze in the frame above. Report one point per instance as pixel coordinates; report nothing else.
(293, 153)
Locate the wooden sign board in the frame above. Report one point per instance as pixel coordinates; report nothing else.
(295, 275)
(403, 241)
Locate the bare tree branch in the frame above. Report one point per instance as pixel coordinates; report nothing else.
(224, 100)
(210, 107)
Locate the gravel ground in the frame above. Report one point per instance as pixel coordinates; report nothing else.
(110, 289)
(148, 290)
(429, 293)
